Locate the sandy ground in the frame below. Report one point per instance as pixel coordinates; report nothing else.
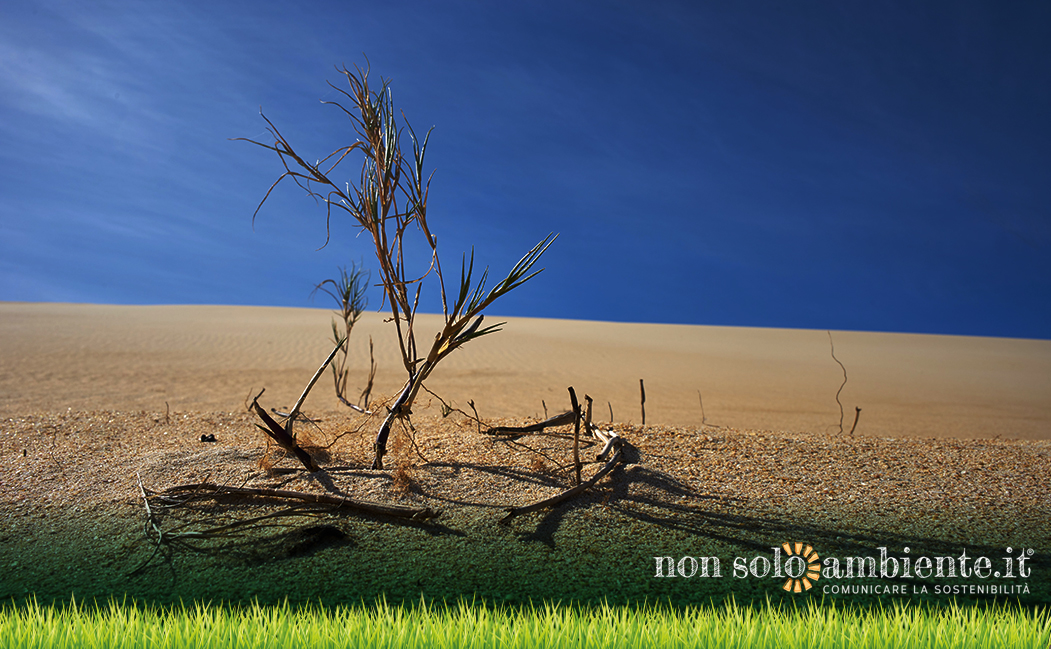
(59, 357)
(94, 399)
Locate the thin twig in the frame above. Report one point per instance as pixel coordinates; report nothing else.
(410, 430)
(448, 409)
(833, 347)
(294, 412)
(559, 467)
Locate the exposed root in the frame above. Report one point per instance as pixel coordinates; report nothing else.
(340, 502)
(614, 442)
(200, 534)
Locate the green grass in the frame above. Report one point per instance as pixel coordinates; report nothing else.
(476, 626)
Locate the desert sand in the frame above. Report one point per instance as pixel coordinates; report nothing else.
(60, 357)
(100, 405)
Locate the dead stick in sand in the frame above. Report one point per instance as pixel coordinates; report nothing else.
(278, 433)
(380, 445)
(476, 417)
(284, 435)
(318, 499)
(554, 500)
(294, 412)
(642, 392)
(558, 420)
(611, 439)
(576, 435)
(857, 415)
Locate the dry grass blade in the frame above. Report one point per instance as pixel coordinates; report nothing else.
(348, 290)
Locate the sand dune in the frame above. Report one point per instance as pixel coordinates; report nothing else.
(55, 357)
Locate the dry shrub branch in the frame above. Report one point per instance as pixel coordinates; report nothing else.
(389, 201)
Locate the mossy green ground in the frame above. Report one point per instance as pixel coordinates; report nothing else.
(584, 552)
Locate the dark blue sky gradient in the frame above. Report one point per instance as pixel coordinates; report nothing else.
(867, 166)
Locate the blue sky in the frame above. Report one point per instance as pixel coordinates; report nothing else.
(835, 165)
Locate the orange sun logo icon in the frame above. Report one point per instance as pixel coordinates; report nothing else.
(802, 567)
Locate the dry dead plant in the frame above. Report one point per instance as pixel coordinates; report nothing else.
(348, 290)
(389, 201)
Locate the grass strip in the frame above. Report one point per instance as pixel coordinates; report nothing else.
(123, 626)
